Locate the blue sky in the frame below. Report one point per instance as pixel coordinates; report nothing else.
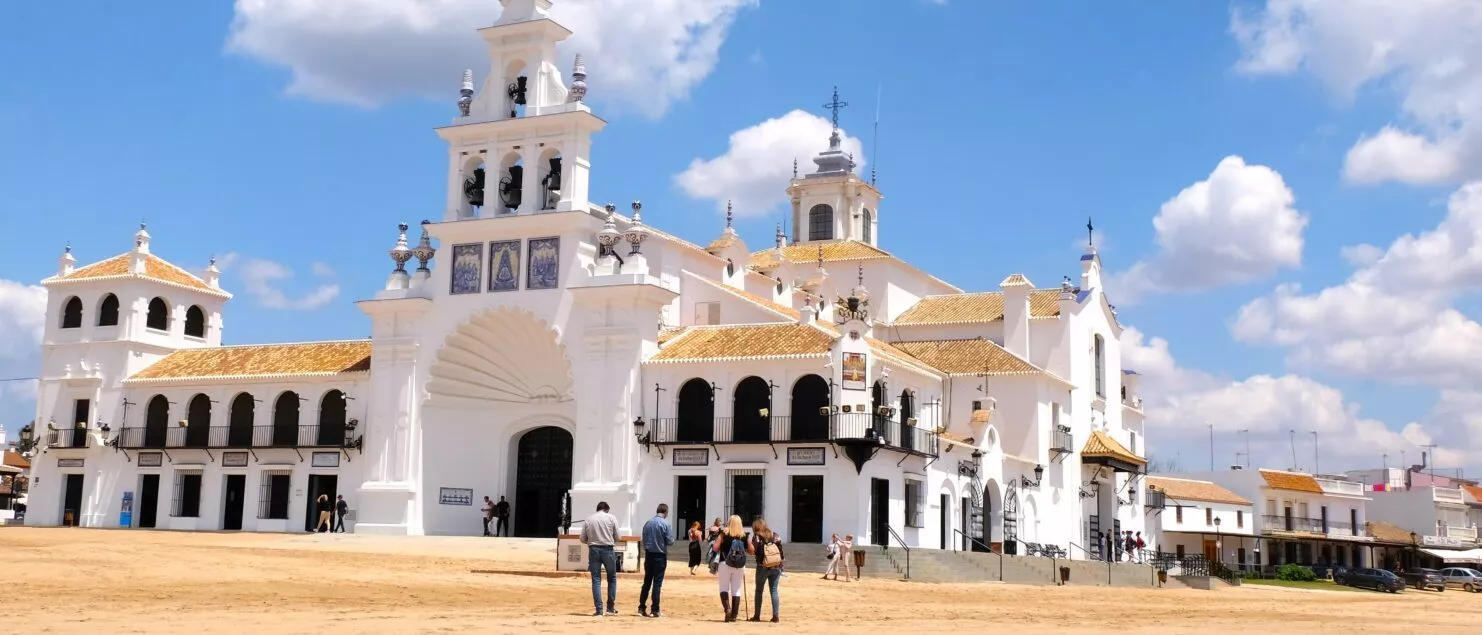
(1003, 126)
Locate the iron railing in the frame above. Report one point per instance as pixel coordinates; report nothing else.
(227, 437)
(904, 547)
(1062, 441)
(68, 438)
(1293, 523)
(784, 429)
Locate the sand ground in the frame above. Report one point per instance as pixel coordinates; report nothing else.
(119, 581)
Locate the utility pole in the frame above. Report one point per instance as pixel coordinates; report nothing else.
(1211, 447)
(1294, 450)
(1246, 432)
(1316, 466)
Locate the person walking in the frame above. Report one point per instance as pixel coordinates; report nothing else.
(713, 558)
(845, 557)
(768, 549)
(599, 534)
(733, 547)
(501, 514)
(1130, 546)
(323, 506)
(340, 509)
(695, 537)
(658, 534)
(831, 551)
(1141, 548)
(488, 513)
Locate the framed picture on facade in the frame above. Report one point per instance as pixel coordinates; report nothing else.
(854, 371)
(468, 268)
(504, 265)
(545, 263)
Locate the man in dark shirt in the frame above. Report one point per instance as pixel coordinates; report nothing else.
(501, 513)
(340, 509)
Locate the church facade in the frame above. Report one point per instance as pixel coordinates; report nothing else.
(533, 345)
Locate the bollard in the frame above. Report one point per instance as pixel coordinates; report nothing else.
(1064, 575)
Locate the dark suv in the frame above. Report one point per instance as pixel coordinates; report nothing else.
(1423, 579)
(1377, 579)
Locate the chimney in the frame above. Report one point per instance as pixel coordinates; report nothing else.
(1016, 290)
(213, 275)
(66, 264)
(138, 256)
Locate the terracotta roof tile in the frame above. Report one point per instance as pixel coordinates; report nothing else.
(752, 341)
(975, 308)
(1180, 489)
(1016, 280)
(1385, 532)
(267, 360)
(895, 355)
(725, 240)
(1293, 481)
(155, 268)
(967, 357)
(833, 251)
(1473, 491)
(14, 459)
(669, 332)
(1103, 445)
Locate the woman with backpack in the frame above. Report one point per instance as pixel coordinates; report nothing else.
(768, 549)
(733, 549)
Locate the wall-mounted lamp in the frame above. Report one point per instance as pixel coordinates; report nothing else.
(351, 425)
(1039, 475)
(640, 432)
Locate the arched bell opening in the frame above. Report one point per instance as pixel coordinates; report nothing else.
(696, 410)
(552, 175)
(516, 88)
(511, 188)
(475, 178)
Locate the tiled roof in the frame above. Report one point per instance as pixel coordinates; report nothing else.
(726, 239)
(967, 357)
(1474, 492)
(261, 361)
(894, 355)
(155, 268)
(668, 332)
(1103, 445)
(1385, 532)
(833, 251)
(14, 459)
(981, 417)
(1186, 490)
(1016, 280)
(975, 308)
(1292, 481)
(752, 341)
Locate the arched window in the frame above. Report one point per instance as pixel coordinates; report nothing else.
(331, 420)
(696, 422)
(195, 322)
(198, 422)
(751, 411)
(809, 396)
(108, 311)
(730, 268)
(158, 317)
(156, 422)
(821, 223)
(867, 227)
(285, 419)
(72, 313)
(239, 429)
(877, 421)
(907, 412)
(1100, 367)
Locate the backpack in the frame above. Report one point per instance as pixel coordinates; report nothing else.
(736, 553)
(771, 555)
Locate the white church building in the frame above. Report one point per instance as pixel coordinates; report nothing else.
(537, 346)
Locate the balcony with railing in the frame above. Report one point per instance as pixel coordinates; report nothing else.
(68, 438)
(1062, 442)
(227, 437)
(781, 429)
(1464, 534)
(1344, 488)
(1292, 523)
(1447, 495)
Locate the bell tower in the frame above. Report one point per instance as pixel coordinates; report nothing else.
(522, 143)
(834, 203)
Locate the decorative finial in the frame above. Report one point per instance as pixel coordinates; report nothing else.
(636, 233)
(212, 263)
(794, 167)
(609, 236)
(424, 251)
(861, 274)
(820, 255)
(834, 106)
(578, 80)
(400, 254)
(872, 172)
(1090, 241)
(728, 214)
(780, 237)
(143, 225)
(851, 161)
(611, 209)
(465, 94)
(637, 211)
(68, 250)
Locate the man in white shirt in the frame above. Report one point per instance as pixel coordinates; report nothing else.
(599, 534)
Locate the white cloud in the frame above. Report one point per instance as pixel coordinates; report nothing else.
(642, 55)
(262, 277)
(22, 324)
(322, 270)
(754, 171)
(1236, 226)
(1425, 50)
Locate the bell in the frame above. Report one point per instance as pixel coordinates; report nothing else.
(509, 187)
(853, 304)
(553, 178)
(474, 188)
(517, 93)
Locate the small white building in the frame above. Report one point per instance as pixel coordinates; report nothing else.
(1200, 517)
(1436, 517)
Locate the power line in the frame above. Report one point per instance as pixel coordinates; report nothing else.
(21, 379)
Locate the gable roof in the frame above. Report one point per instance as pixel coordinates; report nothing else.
(975, 308)
(1102, 445)
(1474, 491)
(848, 250)
(750, 341)
(308, 359)
(968, 357)
(1385, 532)
(1180, 489)
(155, 269)
(14, 459)
(1291, 481)
(764, 303)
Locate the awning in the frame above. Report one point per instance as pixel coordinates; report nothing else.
(1469, 556)
(1105, 451)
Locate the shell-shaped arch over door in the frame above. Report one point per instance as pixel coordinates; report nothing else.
(504, 356)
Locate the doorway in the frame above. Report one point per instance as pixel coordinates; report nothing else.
(149, 499)
(319, 484)
(807, 509)
(689, 502)
(967, 525)
(542, 480)
(72, 500)
(879, 511)
(236, 492)
(946, 519)
(1211, 550)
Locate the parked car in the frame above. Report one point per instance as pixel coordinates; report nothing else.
(1377, 579)
(1422, 579)
(1461, 577)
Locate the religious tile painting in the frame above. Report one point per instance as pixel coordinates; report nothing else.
(545, 263)
(854, 371)
(504, 265)
(468, 268)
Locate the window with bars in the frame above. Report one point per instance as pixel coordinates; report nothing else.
(1239, 518)
(272, 497)
(915, 503)
(745, 493)
(1178, 513)
(187, 499)
(1209, 515)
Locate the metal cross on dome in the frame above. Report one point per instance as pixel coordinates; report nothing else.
(835, 106)
(1090, 229)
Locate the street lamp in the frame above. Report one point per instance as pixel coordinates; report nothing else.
(1219, 547)
(1414, 550)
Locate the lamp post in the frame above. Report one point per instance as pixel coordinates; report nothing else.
(1414, 550)
(1219, 546)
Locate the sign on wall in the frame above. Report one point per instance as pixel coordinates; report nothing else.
(805, 456)
(231, 459)
(854, 371)
(455, 496)
(151, 459)
(1441, 541)
(325, 459)
(691, 457)
(69, 462)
